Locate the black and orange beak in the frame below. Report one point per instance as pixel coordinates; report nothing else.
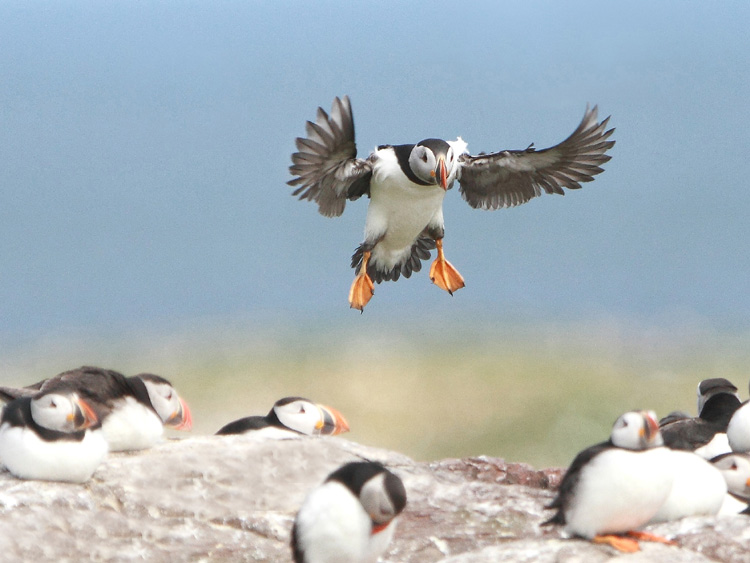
(181, 419)
(85, 416)
(441, 173)
(650, 428)
(333, 422)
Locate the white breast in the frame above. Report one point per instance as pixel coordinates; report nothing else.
(718, 445)
(400, 209)
(619, 490)
(698, 488)
(27, 456)
(738, 430)
(332, 526)
(132, 426)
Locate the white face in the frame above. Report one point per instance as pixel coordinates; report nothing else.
(423, 163)
(165, 400)
(736, 471)
(636, 430)
(301, 415)
(376, 501)
(57, 412)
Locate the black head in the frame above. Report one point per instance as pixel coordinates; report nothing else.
(382, 493)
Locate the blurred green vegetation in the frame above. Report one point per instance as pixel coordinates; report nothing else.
(533, 393)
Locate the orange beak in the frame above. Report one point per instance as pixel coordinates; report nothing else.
(182, 419)
(88, 414)
(442, 173)
(652, 427)
(334, 422)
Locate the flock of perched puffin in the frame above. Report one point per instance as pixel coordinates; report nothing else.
(61, 429)
(651, 471)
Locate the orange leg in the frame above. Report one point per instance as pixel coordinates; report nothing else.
(645, 536)
(362, 288)
(442, 272)
(620, 543)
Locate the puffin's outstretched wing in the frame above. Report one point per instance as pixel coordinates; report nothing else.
(327, 168)
(510, 178)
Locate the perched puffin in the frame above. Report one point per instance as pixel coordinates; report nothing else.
(705, 434)
(698, 488)
(738, 429)
(290, 416)
(133, 410)
(52, 436)
(735, 467)
(351, 517)
(406, 185)
(617, 486)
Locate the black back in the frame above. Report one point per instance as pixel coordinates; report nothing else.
(689, 434)
(249, 423)
(18, 413)
(259, 422)
(570, 481)
(719, 409)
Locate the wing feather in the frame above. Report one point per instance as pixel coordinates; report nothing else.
(512, 177)
(326, 166)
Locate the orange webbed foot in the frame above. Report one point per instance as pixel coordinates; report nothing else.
(442, 272)
(646, 536)
(362, 288)
(620, 543)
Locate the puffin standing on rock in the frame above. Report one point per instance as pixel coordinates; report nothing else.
(133, 410)
(52, 436)
(351, 517)
(617, 486)
(291, 416)
(406, 185)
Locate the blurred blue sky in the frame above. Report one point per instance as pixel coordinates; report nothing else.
(144, 149)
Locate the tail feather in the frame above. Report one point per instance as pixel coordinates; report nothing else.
(420, 251)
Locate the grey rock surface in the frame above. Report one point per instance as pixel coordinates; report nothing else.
(233, 498)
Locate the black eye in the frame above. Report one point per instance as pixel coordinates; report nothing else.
(424, 158)
(734, 467)
(52, 405)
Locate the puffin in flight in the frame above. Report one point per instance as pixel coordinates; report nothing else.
(133, 410)
(290, 416)
(351, 517)
(51, 436)
(406, 185)
(617, 486)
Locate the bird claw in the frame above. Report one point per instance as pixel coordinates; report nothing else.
(445, 276)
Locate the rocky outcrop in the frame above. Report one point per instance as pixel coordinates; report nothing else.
(233, 498)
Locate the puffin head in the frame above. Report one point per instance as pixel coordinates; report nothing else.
(637, 430)
(170, 407)
(62, 412)
(433, 161)
(309, 418)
